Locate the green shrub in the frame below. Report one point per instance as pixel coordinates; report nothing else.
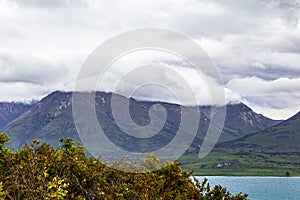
(39, 171)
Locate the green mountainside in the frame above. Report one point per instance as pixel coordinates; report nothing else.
(271, 152)
(51, 118)
(250, 144)
(283, 137)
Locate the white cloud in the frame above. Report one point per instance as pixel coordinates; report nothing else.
(278, 97)
(44, 43)
(18, 91)
(122, 76)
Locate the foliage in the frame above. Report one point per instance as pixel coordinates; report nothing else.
(39, 171)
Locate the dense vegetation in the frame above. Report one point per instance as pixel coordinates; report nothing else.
(39, 171)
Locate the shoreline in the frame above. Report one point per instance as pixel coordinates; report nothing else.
(248, 176)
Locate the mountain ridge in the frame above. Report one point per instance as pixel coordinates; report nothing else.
(52, 118)
(11, 110)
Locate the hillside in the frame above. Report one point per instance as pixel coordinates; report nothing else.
(271, 152)
(51, 118)
(242, 120)
(47, 120)
(283, 137)
(10, 111)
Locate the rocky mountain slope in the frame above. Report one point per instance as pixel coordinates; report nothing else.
(10, 111)
(52, 118)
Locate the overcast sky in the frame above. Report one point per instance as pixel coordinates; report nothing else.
(255, 44)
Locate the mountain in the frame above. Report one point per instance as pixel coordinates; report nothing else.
(274, 151)
(52, 118)
(242, 120)
(281, 138)
(10, 111)
(47, 120)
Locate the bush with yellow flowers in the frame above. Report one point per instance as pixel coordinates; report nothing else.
(39, 171)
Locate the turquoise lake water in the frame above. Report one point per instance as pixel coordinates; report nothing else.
(260, 188)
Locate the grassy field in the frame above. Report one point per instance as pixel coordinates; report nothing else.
(237, 164)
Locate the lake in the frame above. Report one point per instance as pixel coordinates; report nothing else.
(259, 188)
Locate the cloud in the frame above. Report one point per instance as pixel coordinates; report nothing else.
(152, 75)
(20, 91)
(280, 97)
(44, 43)
(48, 3)
(29, 69)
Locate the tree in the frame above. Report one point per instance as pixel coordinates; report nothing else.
(39, 171)
(3, 139)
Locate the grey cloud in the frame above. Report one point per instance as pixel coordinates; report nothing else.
(268, 73)
(285, 9)
(49, 3)
(277, 94)
(290, 8)
(43, 43)
(231, 17)
(30, 69)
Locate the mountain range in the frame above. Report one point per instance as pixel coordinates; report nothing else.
(52, 118)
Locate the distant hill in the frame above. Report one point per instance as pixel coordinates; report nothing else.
(281, 138)
(52, 118)
(10, 111)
